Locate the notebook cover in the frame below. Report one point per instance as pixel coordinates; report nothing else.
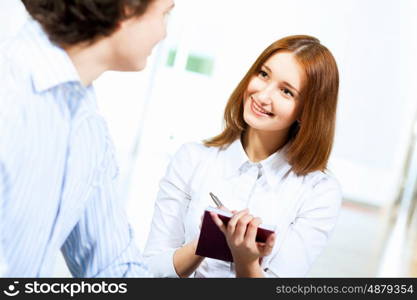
(212, 242)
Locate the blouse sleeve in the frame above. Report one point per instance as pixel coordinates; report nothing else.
(309, 232)
(167, 232)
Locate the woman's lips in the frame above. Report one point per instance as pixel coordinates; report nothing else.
(257, 110)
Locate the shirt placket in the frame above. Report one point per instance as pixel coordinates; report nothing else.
(250, 175)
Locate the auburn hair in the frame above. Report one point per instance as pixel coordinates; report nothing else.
(309, 141)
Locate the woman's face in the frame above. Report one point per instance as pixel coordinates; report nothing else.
(271, 100)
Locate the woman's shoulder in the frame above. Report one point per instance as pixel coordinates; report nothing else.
(194, 151)
(195, 148)
(320, 189)
(322, 180)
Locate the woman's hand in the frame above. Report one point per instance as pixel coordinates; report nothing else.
(240, 235)
(185, 259)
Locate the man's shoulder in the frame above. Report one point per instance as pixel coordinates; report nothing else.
(15, 94)
(15, 74)
(15, 60)
(17, 57)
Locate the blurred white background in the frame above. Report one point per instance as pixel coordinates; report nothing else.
(181, 95)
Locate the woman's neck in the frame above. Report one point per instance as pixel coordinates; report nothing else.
(259, 145)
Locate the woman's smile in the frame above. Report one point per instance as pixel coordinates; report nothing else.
(258, 110)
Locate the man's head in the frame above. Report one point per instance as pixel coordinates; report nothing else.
(131, 27)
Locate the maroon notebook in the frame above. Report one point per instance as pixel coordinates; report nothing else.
(212, 242)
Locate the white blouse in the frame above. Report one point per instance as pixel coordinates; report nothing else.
(303, 209)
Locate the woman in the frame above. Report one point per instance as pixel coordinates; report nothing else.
(269, 162)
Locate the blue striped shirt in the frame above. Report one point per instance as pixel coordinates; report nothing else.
(57, 169)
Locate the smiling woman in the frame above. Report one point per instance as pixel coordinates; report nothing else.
(301, 71)
(269, 161)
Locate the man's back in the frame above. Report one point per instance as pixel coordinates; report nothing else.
(57, 168)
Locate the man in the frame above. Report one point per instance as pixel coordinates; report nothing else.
(57, 167)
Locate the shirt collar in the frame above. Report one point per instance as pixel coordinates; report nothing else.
(50, 64)
(276, 166)
(235, 158)
(273, 167)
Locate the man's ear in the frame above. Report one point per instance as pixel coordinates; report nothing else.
(122, 23)
(128, 12)
(128, 15)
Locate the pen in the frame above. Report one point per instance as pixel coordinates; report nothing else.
(216, 200)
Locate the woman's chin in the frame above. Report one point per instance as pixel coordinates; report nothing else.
(255, 123)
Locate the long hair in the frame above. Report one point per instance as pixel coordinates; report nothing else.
(311, 140)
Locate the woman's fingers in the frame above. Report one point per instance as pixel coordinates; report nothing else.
(218, 222)
(231, 226)
(241, 227)
(252, 229)
(266, 249)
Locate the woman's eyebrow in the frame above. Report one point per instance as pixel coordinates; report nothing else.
(285, 82)
(267, 68)
(291, 87)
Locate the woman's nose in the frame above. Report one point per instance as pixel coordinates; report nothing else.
(264, 95)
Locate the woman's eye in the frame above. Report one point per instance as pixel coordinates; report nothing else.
(263, 73)
(287, 92)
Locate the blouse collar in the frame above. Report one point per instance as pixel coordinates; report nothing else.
(273, 167)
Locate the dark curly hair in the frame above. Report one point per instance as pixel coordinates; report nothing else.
(69, 22)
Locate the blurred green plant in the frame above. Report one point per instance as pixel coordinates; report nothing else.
(195, 63)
